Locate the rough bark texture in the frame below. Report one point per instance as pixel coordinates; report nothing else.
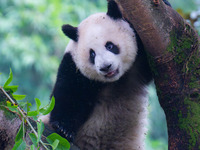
(173, 49)
(9, 126)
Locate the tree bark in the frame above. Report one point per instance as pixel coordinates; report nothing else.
(10, 123)
(172, 46)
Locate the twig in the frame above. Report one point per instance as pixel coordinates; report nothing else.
(25, 117)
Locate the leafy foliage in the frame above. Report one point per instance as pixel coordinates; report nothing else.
(36, 137)
(31, 41)
(57, 141)
(32, 44)
(20, 145)
(20, 133)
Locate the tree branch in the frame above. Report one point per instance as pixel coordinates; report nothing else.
(173, 49)
(10, 124)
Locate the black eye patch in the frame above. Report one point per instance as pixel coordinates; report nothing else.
(92, 56)
(112, 48)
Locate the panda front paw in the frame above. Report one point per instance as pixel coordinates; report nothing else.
(69, 135)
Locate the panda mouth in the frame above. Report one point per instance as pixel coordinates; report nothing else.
(112, 73)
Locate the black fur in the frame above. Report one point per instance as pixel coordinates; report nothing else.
(92, 56)
(70, 31)
(113, 10)
(167, 3)
(112, 47)
(75, 97)
(141, 63)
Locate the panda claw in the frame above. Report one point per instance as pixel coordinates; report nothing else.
(64, 132)
(69, 135)
(56, 126)
(61, 129)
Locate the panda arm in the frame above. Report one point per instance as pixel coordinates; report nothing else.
(75, 97)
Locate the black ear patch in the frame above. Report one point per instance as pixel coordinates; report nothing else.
(70, 31)
(113, 10)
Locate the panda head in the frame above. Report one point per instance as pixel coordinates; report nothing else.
(103, 46)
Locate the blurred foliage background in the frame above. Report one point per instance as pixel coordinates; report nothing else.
(32, 45)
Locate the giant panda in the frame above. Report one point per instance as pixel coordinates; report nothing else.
(101, 88)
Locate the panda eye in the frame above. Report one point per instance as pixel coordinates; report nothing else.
(112, 48)
(109, 46)
(92, 56)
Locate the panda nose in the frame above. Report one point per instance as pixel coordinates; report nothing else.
(105, 68)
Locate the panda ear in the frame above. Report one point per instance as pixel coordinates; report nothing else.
(70, 31)
(113, 10)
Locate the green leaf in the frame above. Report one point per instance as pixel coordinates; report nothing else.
(35, 112)
(19, 97)
(47, 109)
(28, 107)
(13, 88)
(32, 113)
(33, 139)
(20, 145)
(40, 128)
(38, 104)
(11, 107)
(9, 79)
(25, 105)
(20, 133)
(55, 144)
(8, 104)
(32, 147)
(63, 143)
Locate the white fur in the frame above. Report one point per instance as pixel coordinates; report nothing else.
(119, 117)
(93, 33)
(117, 122)
(45, 118)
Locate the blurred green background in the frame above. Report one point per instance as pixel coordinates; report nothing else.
(32, 45)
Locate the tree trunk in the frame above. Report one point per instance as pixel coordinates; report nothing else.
(173, 48)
